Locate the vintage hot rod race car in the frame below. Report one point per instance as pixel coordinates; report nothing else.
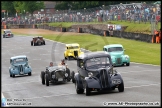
(95, 73)
(117, 54)
(19, 66)
(37, 41)
(72, 51)
(55, 74)
(7, 33)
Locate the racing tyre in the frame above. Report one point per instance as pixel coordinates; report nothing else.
(10, 75)
(47, 80)
(72, 76)
(44, 43)
(87, 90)
(35, 44)
(29, 73)
(68, 72)
(42, 77)
(121, 87)
(31, 43)
(127, 64)
(13, 75)
(78, 91)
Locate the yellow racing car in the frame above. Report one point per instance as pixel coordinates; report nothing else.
(72, 51)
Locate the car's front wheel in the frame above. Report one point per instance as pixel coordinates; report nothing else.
(87, 90)
(29, 73)
(127, 64)
(32, 43)
(10, 75)
(121, 87)
(47, 80)
(42, 77)
(78, 91)
(13, 75)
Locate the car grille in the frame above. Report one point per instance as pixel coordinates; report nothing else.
(21, 68)
(104, 78)
(76, 53)
(59, 74)
(118, 61)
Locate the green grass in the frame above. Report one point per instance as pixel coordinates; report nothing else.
(141, 52)
(132, 27)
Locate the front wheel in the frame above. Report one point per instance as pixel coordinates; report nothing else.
(31, 43)
(47, 80)
(29, 73)
(87, 90)
(78, 91)
(42, 76)
(121, 87)
(127, 64)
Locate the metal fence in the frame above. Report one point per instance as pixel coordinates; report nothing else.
(139, 13)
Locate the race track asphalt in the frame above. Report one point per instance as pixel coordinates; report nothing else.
(142, 82)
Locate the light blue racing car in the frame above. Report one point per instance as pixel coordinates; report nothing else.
(19, 66)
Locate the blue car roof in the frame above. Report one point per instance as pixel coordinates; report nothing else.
(20, 56)
(113, 45)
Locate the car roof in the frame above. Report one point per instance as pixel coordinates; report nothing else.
(72, 44)
(20, 56)
(94, 54)
(113, 45)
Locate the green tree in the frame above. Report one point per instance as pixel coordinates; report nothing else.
(32, 6)
(9, 7)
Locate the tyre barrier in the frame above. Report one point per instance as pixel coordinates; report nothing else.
(106, 33)
(63, 29)
(79, 30)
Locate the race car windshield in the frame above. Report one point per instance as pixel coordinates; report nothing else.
(96, 62)
(73, 47)
(115, 49)
(8, 31)
(19, 60)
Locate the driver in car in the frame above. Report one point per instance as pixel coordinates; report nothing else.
(62, 62)
(51, 64)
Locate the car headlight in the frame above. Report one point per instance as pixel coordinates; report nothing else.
(66, 74)
(126, 58)
(90, 74)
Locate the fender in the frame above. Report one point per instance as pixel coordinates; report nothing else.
(78, 80)
(117, 76)
(124, 58)
(93, 82)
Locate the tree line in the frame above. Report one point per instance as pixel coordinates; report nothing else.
(21, 7)
(76, 5)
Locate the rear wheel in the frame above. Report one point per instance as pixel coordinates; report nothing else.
(72, 76)
(47, 80)
(42, 76)
(44, 43)
(78, 91)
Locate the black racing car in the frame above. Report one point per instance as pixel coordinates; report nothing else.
(55, 74)
(95, 73)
